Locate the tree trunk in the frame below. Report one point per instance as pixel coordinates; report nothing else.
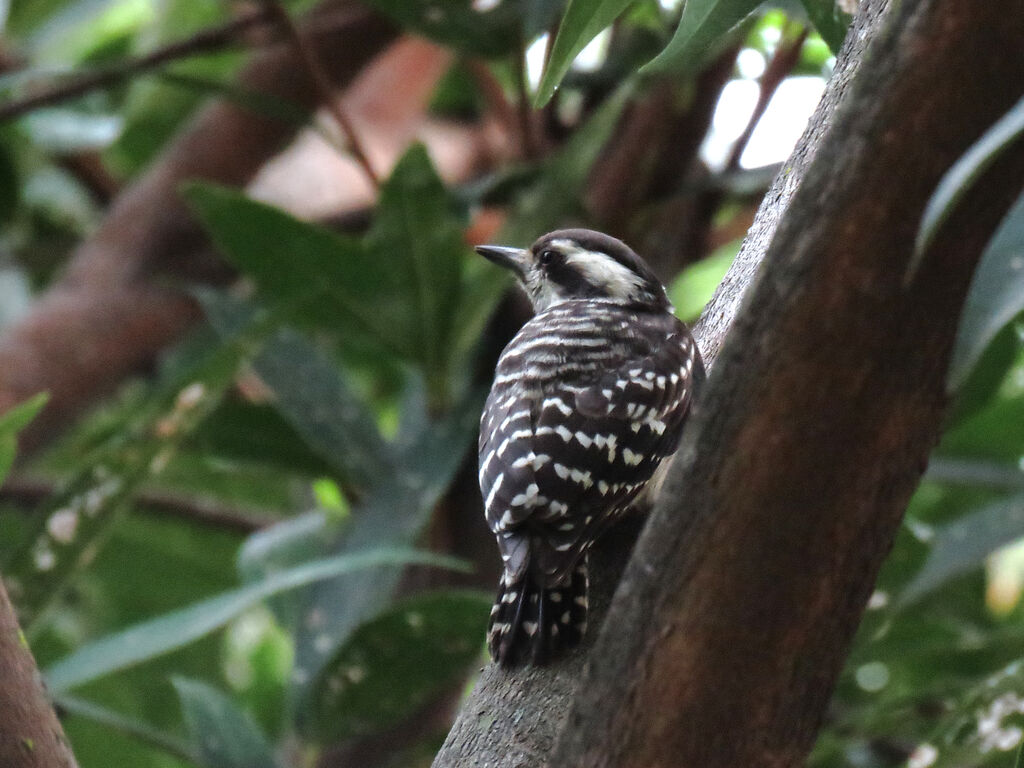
(736, 611)
(30, 733)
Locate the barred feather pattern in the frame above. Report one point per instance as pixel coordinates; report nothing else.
(588, 399)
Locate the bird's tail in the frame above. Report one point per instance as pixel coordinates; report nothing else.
(531, 622)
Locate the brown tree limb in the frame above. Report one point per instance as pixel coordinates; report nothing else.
(656, 145)
(786, 57)
(513, 720)
(204, 41)
(109, 315)
(28, 491)
(734, 616)
(31, 736)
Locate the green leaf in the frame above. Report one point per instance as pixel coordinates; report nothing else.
(21, 415)
(539, 15)
(314, 399)
(703, 24)
(255, 433)
(10, 189)
(416, 239)
(961, 546)
(830, 21)
(996, 296)
(257, 102)
(393, 665)
(988, 374)
(394, 513)
(327, 276)
(992, 433)
(223, 735)
(582, 22)
(961, 178)
(12, 422)
(123, 724)
(697, 283)
(173, 630)
(397, 292)
(285, 545)
(311, 395)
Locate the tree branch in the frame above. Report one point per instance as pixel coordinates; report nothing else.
(29, 491)
(204, 41)
(786, 57)
(734, 616)
(513, 719)
(30, 733)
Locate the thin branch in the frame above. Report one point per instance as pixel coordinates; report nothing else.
(31, 491)
(530, 148)
(204, 41)
(494, 96)
(786, 57)
(326, 90)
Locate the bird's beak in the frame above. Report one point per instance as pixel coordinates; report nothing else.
(515, 259)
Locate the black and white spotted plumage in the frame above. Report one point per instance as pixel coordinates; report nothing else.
(588, 400)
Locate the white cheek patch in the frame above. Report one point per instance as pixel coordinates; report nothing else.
(598, 269)
(543, 293)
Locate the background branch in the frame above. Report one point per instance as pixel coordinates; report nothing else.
(204, 41)
(27, 491)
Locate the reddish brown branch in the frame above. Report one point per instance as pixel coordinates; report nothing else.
(786, 57)
(653, 150)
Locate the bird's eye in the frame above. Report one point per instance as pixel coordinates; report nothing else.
(546, 257)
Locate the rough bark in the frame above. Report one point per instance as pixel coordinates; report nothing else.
(109, 315)
(512, 720)
(736, 611)
(30, 733)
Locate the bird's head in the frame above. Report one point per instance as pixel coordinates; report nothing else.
(580, 264)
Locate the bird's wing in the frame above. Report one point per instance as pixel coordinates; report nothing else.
(561, 455)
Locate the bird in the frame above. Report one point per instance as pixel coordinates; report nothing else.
(587, 404)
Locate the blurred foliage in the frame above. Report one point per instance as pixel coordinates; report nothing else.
(326, 403)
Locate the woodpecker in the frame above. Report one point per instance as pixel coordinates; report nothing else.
(588, 401)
